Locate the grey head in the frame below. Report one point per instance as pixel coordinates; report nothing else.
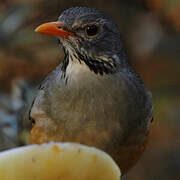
(96, 39)
(99, 33)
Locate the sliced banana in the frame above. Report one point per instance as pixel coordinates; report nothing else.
(57, 161)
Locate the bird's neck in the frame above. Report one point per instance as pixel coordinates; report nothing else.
(75, 62)
(76, 68)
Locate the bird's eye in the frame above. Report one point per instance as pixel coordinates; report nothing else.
(91, 30)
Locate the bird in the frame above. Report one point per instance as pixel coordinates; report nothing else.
(94, 96)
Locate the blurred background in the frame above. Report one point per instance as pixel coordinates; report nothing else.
(151, 32)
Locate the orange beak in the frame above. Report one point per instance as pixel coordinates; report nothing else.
(54, 28)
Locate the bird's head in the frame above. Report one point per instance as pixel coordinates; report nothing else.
(88, 35)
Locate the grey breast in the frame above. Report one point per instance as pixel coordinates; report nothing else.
(91, 104)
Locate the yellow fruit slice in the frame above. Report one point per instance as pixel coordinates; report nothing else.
(57, 161)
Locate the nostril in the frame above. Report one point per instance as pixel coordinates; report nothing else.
(59, 27)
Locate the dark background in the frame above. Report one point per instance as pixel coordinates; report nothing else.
(151, 32)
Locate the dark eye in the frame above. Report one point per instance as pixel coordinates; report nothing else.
(91, 30)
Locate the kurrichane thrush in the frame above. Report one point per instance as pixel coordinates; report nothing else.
(93, 97)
